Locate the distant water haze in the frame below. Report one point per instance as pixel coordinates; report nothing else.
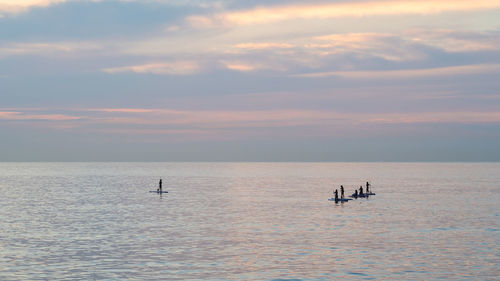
(370, 148)
(248, 221)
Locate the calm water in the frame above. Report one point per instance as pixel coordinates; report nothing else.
(249, 221)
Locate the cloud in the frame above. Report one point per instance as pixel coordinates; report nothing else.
(341, 50)
(248, 118)
(201, 21)
(454, 40)
(410, 73)
(238, 66)
(252, 65)
(320, 52)
(462, 117)
(160, 68)
(263, 45)
(123, 110)
(17, 6)
(244, 121)
(387, 46)
(47, 48)
(183, 133)
(13, 115)
(270, 14)
(219, 125)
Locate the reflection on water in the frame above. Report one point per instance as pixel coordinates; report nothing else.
(261, 221)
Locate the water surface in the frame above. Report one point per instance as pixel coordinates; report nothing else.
(249, 221)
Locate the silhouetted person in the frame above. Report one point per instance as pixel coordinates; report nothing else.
(341, 191)
(159, 188)
(336, 195)
(361, 191)
(355, 195)
(368, 187)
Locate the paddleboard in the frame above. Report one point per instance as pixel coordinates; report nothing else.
(154, 191)
(339, 200)
(362, 196)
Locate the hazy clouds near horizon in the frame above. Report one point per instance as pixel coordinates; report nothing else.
(188, 80)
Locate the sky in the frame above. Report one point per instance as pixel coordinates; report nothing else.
(234, 80)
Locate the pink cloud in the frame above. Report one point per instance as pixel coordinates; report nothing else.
(11, 115)
(463, 117)
(122, 110)
(247, 66)
(288, 118)
(232, 124)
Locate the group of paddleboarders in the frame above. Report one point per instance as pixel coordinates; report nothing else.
(355, 194)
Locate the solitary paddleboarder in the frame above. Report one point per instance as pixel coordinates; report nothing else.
(159, 188)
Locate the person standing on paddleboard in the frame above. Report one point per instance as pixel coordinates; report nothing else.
(159, 188)
(368, 187)
(336, 196)
(342, 191)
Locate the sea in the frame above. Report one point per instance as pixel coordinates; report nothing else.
(249, 221)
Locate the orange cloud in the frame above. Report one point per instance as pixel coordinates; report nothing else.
(356, 38)
(171, 68)
(240, 66)
(16, 6)
(454, 41)
(410, 73)
(346, 9)
(365, 44)
(44, 48)
(245, 66)
(261, 46)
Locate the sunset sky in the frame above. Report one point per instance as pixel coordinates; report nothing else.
(234, 80)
